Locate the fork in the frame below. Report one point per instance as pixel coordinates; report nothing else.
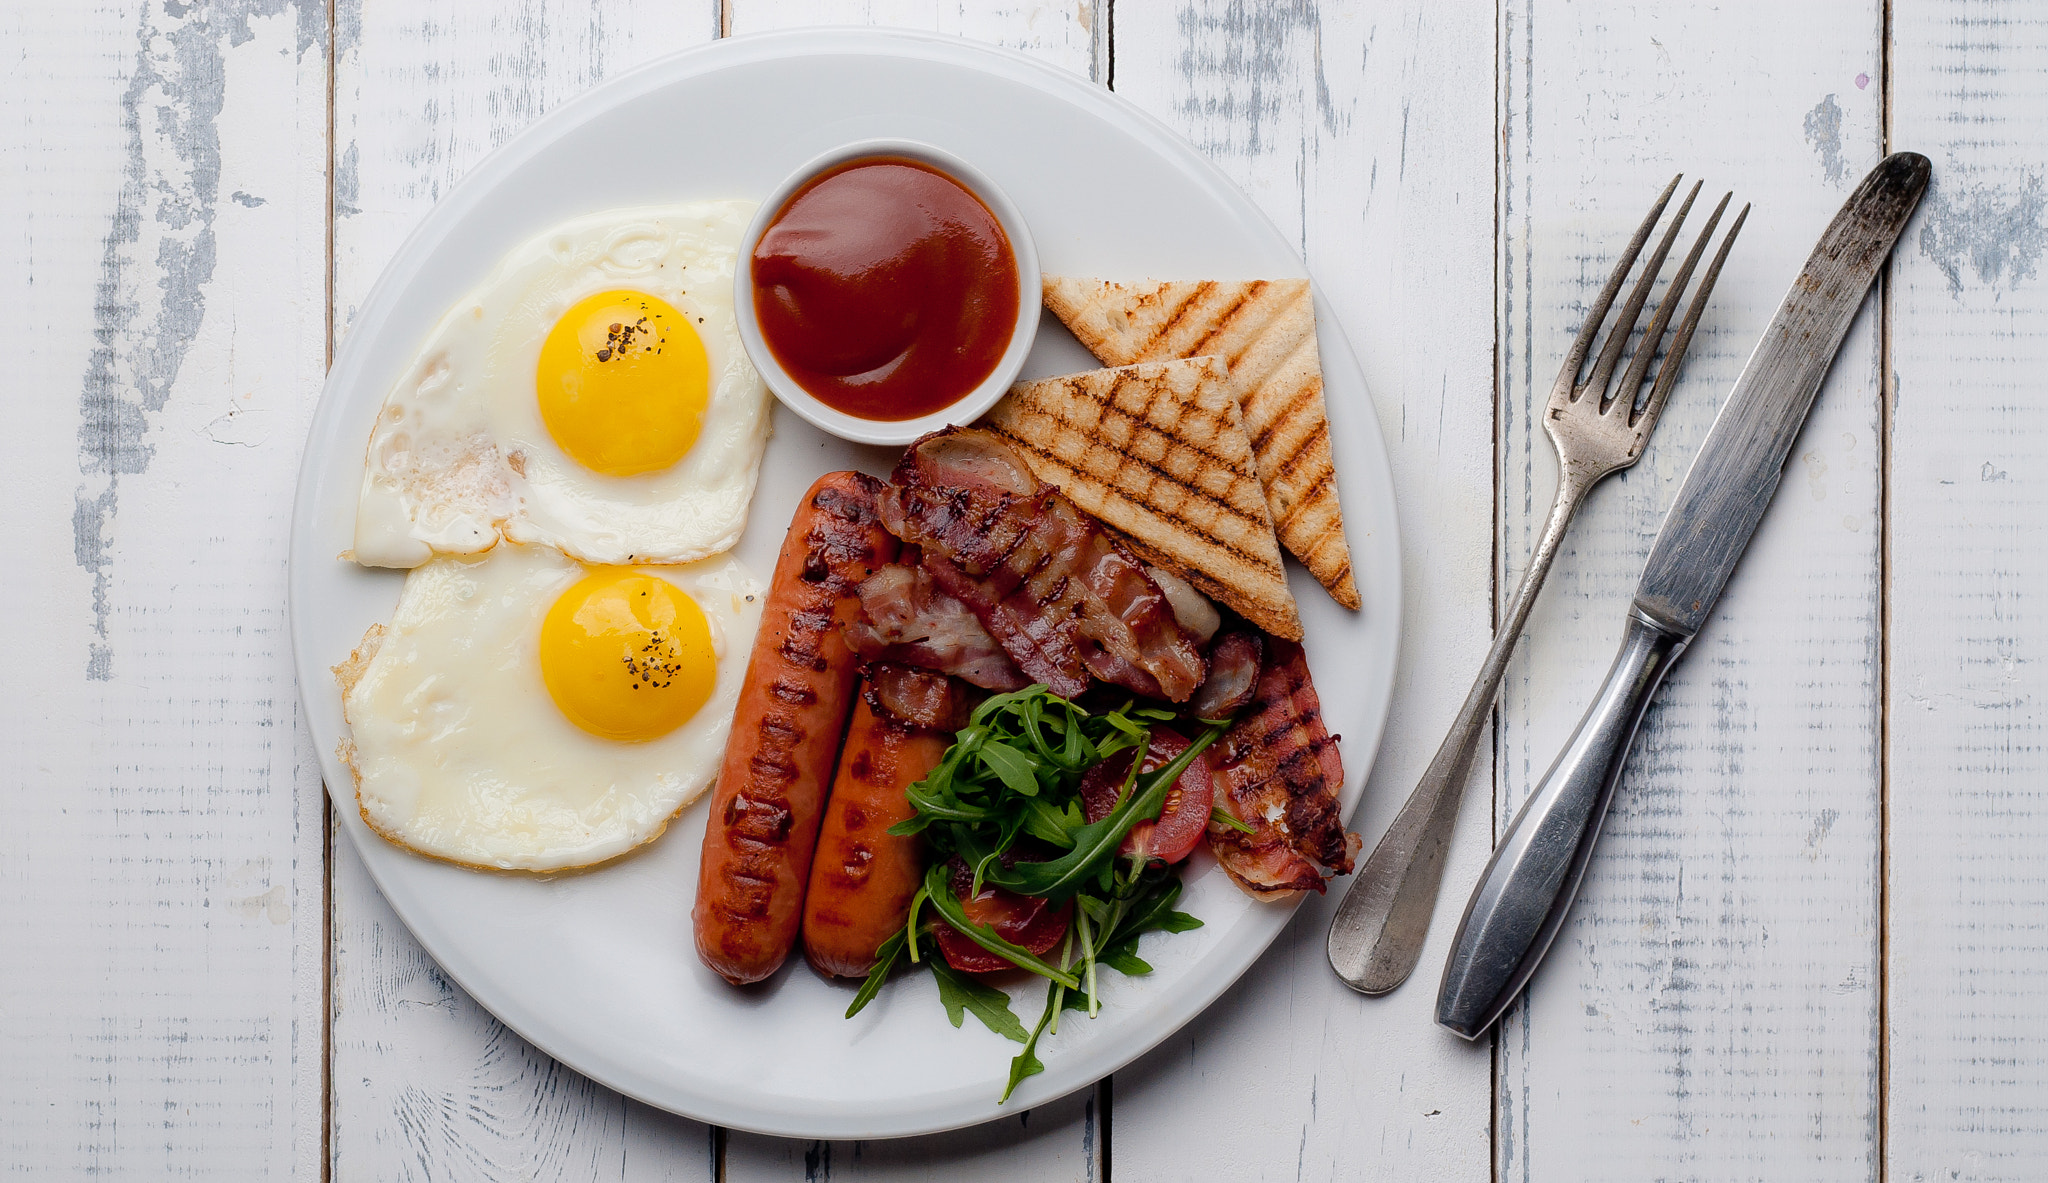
(1377, 935)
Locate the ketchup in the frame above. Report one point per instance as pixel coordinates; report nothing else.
(885, 288)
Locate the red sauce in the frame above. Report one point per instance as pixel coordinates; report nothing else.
(886, 289)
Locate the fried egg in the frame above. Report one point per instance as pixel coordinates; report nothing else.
(592, 394)
(525, 711)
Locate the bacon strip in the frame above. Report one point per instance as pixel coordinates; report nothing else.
(1063, 598)
(919, 698)
(1234, 662)
(905, 618)
(1278, 771)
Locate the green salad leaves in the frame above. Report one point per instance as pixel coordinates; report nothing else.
(1012, 775)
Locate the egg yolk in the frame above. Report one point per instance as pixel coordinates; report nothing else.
(627, 656)
(623, 383)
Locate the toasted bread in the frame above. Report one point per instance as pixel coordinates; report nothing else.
(1265, 331)
(1159, 453)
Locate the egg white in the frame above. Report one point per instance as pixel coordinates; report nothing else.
(460, 752)
(461, 458)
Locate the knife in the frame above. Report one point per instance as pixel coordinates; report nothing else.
(1528, 885)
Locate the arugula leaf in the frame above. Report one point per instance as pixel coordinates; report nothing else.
(1013, 774)
(1060, 878)
(1016, 770)
(937, 884)
(909, 933)
(1156, 912)
(1221, 816)
(1085, 930)
(1026, 1063)
(1052, 823)
(885, 961)
(959, 994)
(1147, 907)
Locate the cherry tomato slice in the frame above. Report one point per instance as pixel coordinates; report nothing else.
(1022, 920)
(1184, 815)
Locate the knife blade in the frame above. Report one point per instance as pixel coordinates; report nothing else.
(1528, 886)
(1738, 468)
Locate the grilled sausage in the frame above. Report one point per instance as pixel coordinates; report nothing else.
(863, 876)
(786, 732)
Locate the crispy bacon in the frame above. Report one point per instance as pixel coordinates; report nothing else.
(1278, 771)
(905, 618)
(1233, 674)
(1063, 598)
(918, 697)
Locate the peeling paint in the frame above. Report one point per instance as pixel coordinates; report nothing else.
(157, 259)
(346, 184)
(273, 905)
(1824, 131)
(1823, 824)
(1996, 232)
(1247, 50)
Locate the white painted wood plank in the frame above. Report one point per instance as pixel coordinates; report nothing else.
(1968, 1020)
(1065, 33)
(1061, 1140)
(1050, 1144)
(1710, 1010)
(1367, 133)
(428, 1085)
(160, 878)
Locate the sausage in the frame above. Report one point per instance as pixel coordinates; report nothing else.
(785, 734)
(863, 876)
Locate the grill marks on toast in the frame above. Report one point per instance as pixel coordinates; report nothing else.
(1264, 330)
(1158, 452)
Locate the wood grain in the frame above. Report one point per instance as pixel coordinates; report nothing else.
(427, 1085)
(1459, 186)
(1073, 34)
(1968, 1021)
(160, 891)
(1710, 1009)
(1366, 134)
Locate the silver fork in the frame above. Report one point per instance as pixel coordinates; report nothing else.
(1377, 935)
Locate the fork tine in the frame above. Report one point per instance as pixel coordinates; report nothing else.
(1639, 365)
(1667, 374)
(1617, 339)
(1568, 376)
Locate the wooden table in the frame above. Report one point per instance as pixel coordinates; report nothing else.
(1810, 944)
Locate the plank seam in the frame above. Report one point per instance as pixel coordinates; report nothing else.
(1109, 44)
(1501, 288)
(1885, 395)
(326, 811)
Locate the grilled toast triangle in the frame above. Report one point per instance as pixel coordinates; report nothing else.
(1158, 452)
(1265, 332)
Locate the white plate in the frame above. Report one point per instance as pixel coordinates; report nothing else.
(598, 969)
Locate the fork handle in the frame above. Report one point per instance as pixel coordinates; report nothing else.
(1528, 885)
(1377, 935)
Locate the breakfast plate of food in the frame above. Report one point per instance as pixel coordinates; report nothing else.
(832, 536)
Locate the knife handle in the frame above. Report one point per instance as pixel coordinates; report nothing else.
(1528, 885)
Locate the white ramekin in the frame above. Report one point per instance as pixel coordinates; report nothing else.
(968, 407)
